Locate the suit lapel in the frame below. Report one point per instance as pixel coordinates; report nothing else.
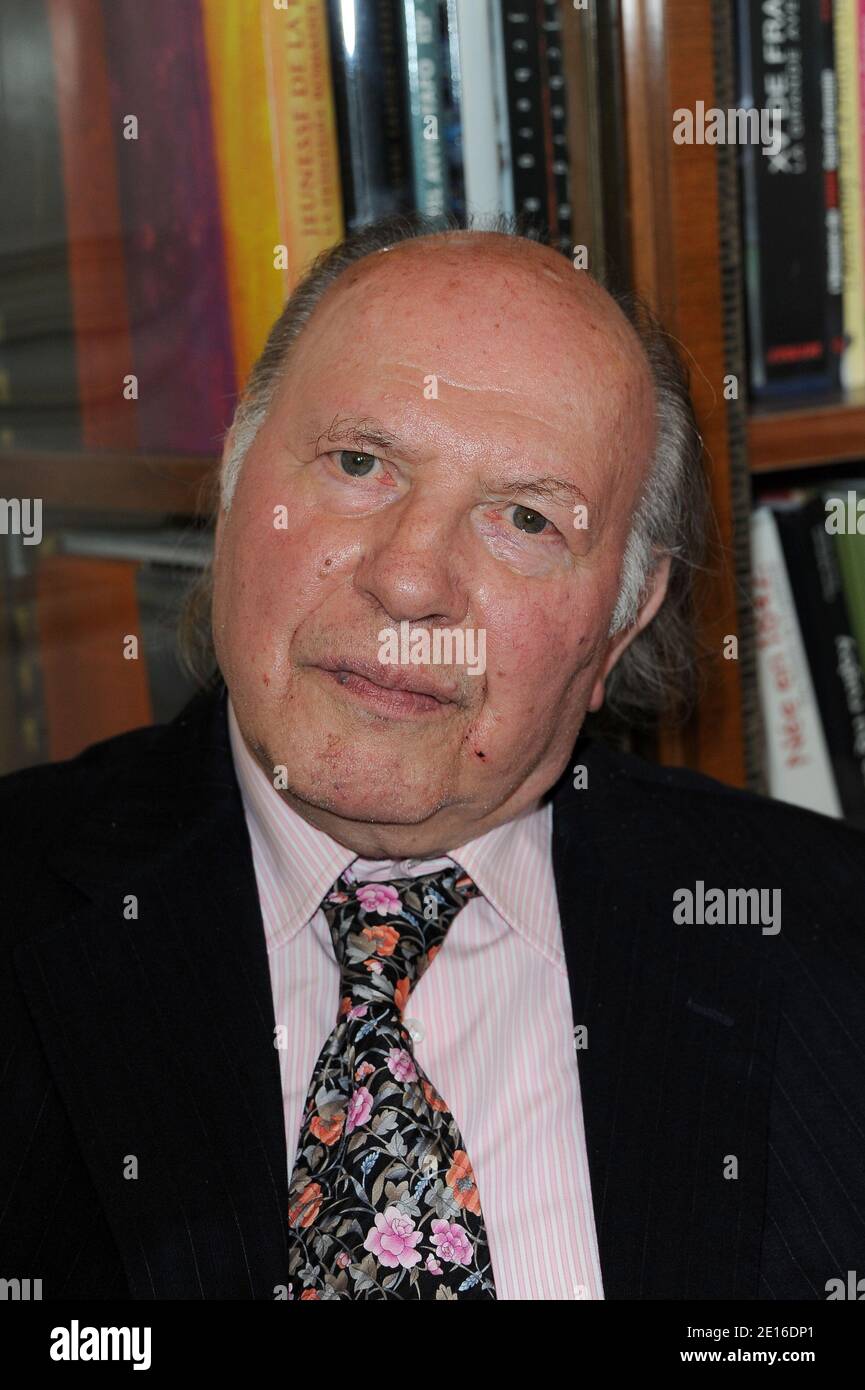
(681, 1027)
(159, 1028)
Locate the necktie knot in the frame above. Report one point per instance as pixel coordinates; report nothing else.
(385, 935)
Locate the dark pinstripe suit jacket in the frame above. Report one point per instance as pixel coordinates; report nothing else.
(149, 1042)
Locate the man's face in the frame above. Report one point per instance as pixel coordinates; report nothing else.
(447, 408)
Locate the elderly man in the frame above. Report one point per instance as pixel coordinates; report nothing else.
(372, 976)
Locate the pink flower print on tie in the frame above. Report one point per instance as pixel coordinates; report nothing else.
(451, 1242)
(400, 1161)
(378, 897)
(392, 1239)
(359, 1108)
(401, 1065)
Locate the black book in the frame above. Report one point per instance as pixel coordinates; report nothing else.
(786, 62)
(370, 97)
(521, 34)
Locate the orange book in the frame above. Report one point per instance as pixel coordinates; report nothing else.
(97, 270)
(240, 114)
(303, 130)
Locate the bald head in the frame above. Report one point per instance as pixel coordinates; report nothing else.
(489, 310)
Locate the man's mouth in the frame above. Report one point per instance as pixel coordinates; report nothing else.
(390, 690)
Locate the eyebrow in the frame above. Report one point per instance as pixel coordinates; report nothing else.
(366, 433)
(547, 487)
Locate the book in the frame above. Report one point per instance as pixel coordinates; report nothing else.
(38, 370)
(169, 198)
(370, 99)
(302, 114)
(792, 240)
(830, 645)
(237, 73)
(798, 766)
(95, 248)
(423, 56)
(555, 116)
(484, 129)
(850, 550)
(527, 115)
(850, 186)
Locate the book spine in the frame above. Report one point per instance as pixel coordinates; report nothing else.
(38, 372)
(393, 77)
(786, 198)
(452, 108)
(848, 59)
(486, 151)
(240, 110)
(302, 117)
(556, 124)
(850, 550)
(425, 85)
(169, 197)
(860, 117)
(97, 272)
(373, 158)
(834, 242)
(528, 103)
(831, 647)
(582, 103)
(799, 769)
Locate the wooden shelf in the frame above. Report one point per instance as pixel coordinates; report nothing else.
(109, 482)
(811, 433)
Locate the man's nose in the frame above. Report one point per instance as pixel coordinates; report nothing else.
(413, 566)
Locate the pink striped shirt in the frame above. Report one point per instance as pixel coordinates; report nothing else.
(492, 1022)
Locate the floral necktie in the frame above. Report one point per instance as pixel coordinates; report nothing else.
(383, 1202)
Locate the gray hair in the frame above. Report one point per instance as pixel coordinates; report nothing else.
(657, 671)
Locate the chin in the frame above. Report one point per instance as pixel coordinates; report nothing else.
(366, 808)
(364, 785)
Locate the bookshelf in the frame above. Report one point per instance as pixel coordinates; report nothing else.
(110, 482)
(821, 432)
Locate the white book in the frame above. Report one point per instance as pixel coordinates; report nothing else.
(485, 133)
(798, 764)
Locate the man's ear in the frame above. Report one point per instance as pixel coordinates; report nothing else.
(655, 595)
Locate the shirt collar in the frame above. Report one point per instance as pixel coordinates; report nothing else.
(296, 863)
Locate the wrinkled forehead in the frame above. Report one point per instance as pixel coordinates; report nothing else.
(510, 321)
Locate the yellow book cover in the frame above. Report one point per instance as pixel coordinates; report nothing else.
(850, 191)
(303, 129)
(250, 210)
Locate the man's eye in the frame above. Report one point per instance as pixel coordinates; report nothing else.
(526, 520)
(356, 465)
